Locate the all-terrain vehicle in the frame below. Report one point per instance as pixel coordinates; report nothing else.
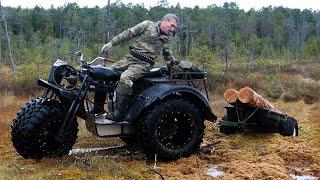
(165, 117)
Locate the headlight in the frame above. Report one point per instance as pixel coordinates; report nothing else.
(66, 77)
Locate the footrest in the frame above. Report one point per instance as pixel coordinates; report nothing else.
(110, 122)
(102, 120)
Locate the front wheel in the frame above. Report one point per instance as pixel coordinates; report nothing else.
(172, 129)
(36, 126)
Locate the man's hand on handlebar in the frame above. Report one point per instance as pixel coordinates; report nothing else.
(106, 47)
(173, 67)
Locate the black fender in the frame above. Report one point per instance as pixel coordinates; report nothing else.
(66, 97)
(159, 92)
(62, 94)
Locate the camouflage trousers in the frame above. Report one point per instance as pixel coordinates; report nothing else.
(131, 69)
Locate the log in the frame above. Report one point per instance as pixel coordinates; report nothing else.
(253, 99)
(231, 95)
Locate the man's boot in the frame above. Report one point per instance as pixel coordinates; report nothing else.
(99, 100)
(119, 112)
(121, 104)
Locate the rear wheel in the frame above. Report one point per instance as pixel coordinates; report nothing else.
(289, 127)
(36, 126)
(172, 129)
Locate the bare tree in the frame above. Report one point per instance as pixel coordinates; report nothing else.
(0, 52)
(108, 22)
(225, 37)
(8, 39)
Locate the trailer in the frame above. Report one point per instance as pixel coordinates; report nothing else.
(242, 117)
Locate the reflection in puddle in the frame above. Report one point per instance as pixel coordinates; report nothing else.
(306, 177)
(95, 150)
(214, 172)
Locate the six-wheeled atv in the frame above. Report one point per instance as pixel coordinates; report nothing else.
(165, 117)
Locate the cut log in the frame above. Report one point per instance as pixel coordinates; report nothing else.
(231, 95)
(253, 99)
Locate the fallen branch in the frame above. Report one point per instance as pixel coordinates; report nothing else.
(155, 166)
(83, 160)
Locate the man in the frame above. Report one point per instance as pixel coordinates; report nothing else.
(152, 40)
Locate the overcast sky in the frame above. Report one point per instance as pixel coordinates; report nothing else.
(243, 4)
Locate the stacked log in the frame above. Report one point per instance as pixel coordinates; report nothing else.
(248, 96)
(231, 96)
(253, 99)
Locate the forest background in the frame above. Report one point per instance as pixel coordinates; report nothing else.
(222, 40)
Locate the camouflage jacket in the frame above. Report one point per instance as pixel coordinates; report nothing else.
(149, 41)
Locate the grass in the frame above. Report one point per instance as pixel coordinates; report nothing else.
(247, 155)
(290, 81)
(241, 156)
(274, 79)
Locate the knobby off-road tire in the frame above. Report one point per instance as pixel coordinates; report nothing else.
(289, 127)
(172, 129)
(227, 130)
(35, 127)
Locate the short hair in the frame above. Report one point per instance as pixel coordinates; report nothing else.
(170, 17)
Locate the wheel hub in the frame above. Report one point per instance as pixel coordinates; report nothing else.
(175, 129)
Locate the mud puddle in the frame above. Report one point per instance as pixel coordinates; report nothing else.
(305, 177)
(214, 172)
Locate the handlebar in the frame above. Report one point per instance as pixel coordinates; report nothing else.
(102, 58)
(83, 62)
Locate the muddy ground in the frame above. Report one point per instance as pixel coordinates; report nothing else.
(245, 155)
